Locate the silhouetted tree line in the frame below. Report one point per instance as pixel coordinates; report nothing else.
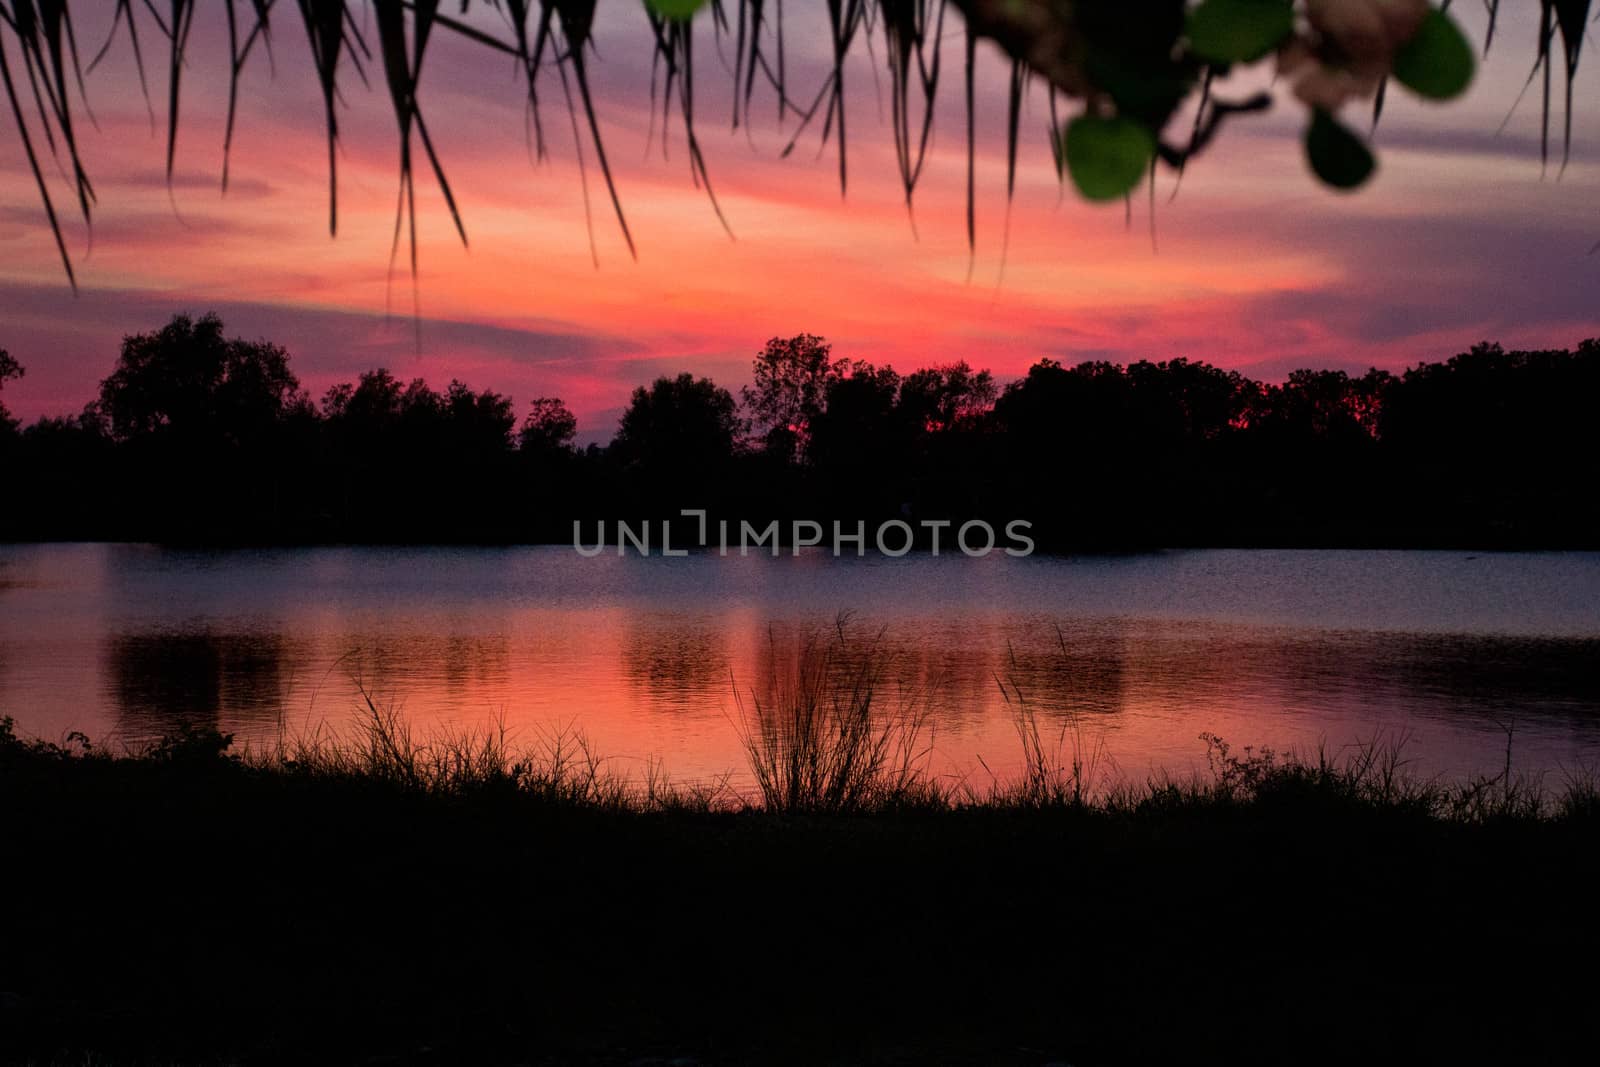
(198, 437)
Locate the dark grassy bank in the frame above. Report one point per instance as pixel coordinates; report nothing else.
(387, 898)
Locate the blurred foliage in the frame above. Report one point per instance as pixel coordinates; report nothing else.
(1128, 70)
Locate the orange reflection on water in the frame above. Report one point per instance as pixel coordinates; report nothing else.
(652, 659)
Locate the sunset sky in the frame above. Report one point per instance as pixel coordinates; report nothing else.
(1253, 266)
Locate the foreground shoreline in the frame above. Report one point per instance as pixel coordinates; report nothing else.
(186, 905)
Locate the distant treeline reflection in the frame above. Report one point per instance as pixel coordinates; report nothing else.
(199, 438)
(253, 682)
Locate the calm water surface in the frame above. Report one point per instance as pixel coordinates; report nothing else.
(1142, 653)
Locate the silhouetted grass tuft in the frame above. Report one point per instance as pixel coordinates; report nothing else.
(824, 740)
(824, 737)
(561, 767)
(1067, 770)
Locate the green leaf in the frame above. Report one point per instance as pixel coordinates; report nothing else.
(1107, 156)
(1437, 63)
(1339, 157)
(676, 10)
(1238, 31)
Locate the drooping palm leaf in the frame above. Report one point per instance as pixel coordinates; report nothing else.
(675, 51)
(1112, 56)
(239, 53)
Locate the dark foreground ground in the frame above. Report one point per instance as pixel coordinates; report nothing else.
(186, 908)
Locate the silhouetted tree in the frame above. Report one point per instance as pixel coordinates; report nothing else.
(203, 419)
(1179, 402)
(196, 436)
(1113, 455)
(857, 445)
(857, 416)
(63, 479)
(378, 416)
(422, 415)
(402, 450)
(559, 483)
(791, 382)
(478, 422)
(941, 398)
(1326, 405)
(1499, 440)
(188, 381)
(549, 427)
(679, 433)
(1033, 409)
(677, 421)
(10, 370)
(1495, 407)
(373, 401)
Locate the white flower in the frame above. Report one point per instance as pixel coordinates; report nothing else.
(1367, 31)
(1321, 85)
(1354, 50)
